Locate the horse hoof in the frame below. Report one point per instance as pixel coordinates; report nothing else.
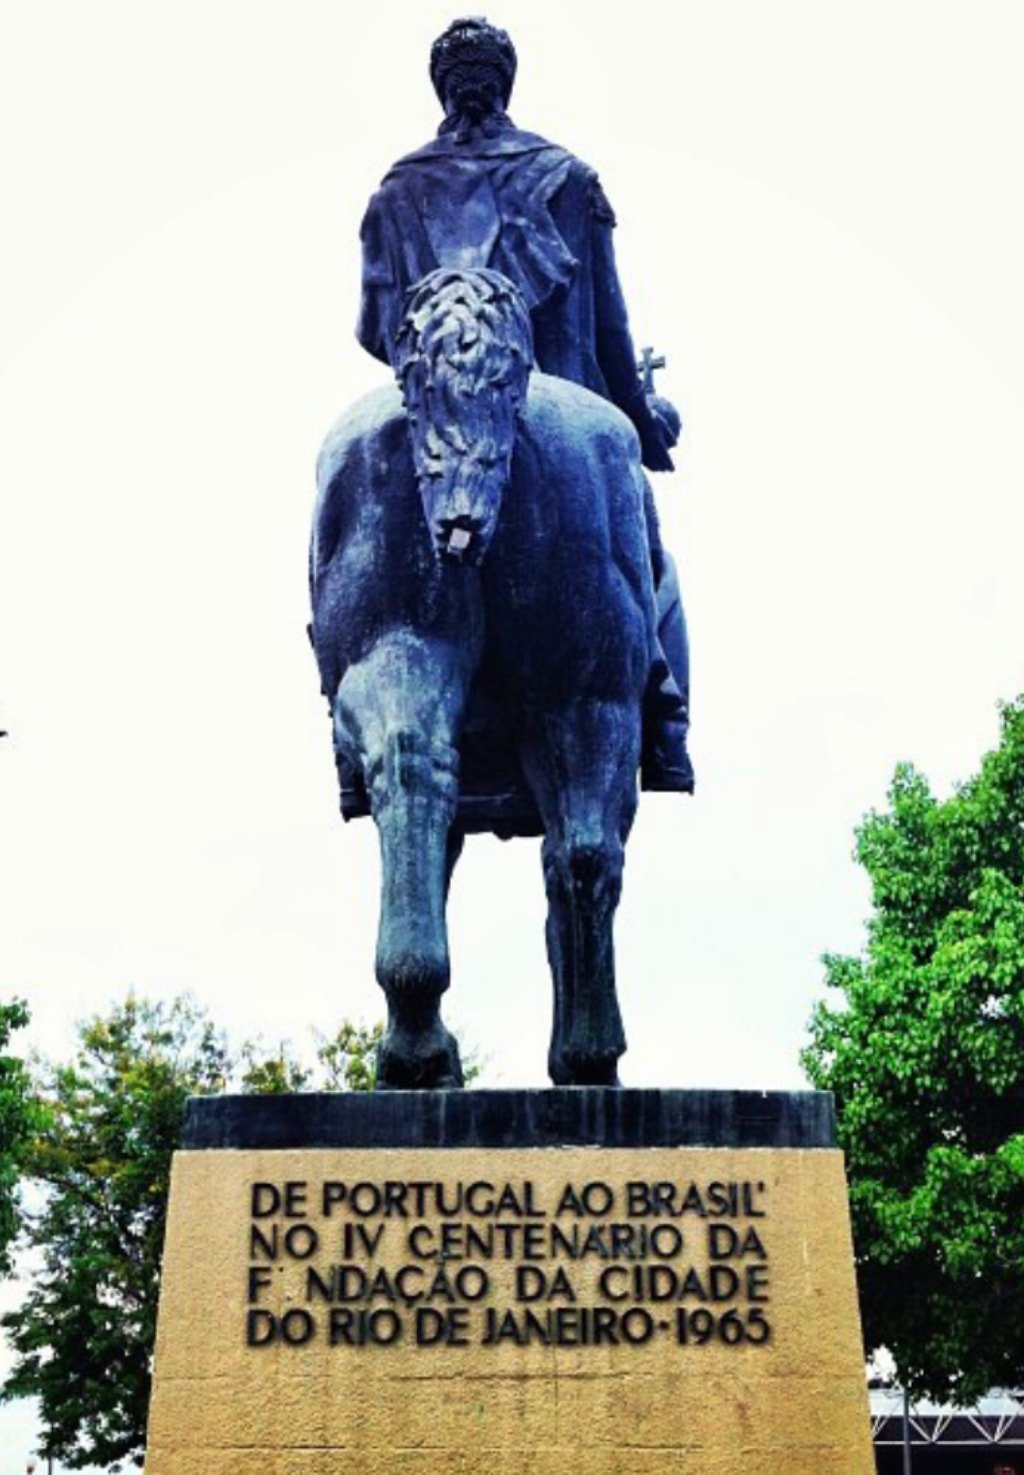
(589, 1070)
(558, 1070)
(419, 1061)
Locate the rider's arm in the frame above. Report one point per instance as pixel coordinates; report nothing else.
(379, 286)
(616, 355)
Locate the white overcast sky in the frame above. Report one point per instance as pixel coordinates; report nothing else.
(820, 223)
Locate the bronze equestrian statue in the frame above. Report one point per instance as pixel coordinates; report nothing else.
(497, 626)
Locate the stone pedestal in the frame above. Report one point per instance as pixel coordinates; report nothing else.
(570, 1281)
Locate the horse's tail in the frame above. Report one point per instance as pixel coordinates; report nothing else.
(463, 358)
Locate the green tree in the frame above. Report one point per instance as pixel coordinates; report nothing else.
(15, 1124)
(271, 1072)
(110, 1120)
(926, 1057)
(106, 1127)
(348, 1059)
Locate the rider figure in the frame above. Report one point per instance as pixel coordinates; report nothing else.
(486, 194)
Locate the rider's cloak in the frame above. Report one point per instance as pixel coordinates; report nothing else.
(531, 210)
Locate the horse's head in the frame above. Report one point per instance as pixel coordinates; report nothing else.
(463, 357)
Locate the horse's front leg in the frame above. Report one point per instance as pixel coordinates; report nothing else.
(581, 764)
(398, 713)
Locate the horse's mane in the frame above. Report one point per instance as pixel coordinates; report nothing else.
(463, 357)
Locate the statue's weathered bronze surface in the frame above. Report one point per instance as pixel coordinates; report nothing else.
(497, 625)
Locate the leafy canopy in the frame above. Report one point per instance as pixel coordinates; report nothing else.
(347, 1061)
(107, 1125)
(111, 1119)
(926, 1056)
(15, 1124)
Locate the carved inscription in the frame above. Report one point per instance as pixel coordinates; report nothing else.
(588, 1264)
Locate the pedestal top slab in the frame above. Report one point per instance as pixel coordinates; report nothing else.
(561, 1117)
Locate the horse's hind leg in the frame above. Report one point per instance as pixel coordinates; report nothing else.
(397, 713)
(581, 764)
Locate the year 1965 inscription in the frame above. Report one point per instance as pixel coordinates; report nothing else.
(454, 1264)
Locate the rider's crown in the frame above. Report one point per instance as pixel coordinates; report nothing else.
(472, 41)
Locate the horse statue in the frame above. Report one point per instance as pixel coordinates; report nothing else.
(484, 626)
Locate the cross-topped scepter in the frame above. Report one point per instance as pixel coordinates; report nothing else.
(646, 367)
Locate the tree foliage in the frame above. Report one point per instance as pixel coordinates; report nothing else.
(271, 1072)
(349, 1058)
(107, 1124)
(347, 1061)
(111, 1119)
(926, 1057)
(15, 1124)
